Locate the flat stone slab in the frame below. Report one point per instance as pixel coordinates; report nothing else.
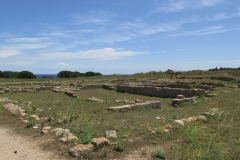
(148, 104)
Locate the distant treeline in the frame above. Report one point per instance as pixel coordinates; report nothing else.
(70, 74)
(224, 68)
(20, 75)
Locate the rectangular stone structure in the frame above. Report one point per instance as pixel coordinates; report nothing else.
(148, 104)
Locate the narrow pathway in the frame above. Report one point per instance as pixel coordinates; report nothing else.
(16, 147)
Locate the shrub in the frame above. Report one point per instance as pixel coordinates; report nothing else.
(158, 154)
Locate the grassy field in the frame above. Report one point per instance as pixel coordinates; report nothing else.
(140, 133)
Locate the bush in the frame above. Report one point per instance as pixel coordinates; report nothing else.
(158, 154)
(26, 74)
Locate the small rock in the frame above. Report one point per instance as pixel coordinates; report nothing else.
(38, 110)
(166, 130)
(80, 149)
(62, 133)
(69, 138)
(111, 134)
(215, 111)
(179, 123)
(168, 126)
(194, 101)
(25, 121)
(180, 96)
(44, 131)
(201, 118)
(36, 126)
(100, 142)
(47, 128)
(35, 117)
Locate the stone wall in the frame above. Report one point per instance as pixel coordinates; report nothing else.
(148, 104)
(160, 92)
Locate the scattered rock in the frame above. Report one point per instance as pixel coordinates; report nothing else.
(180, 96)
(194, 101)
(178, 123)
(47, 128)
(176, 101)
(168, 126)
(111, 134)
(100, 142)
(69, 138)
(37, 126)
(14, 109)
(94, 99)
(25, 121)
(45, 131)
(38, 110)
(81, 149)
(210, 95)
(35, 117)
(62, 133)
(201, 118)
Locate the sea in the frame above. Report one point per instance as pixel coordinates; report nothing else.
(46, 75)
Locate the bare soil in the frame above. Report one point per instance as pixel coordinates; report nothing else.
(17, 147)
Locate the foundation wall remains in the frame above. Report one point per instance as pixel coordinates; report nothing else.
(160, 92)
(148, 104)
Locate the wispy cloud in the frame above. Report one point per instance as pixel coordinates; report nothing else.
(26, 39)
(101, 54)
(222, 16)
(206, 31)
(20, 63)
(179, 5)
(98, 17)
(8, 53)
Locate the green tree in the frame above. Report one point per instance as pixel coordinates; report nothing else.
(26, 74)
(64, 74)
(89, 74)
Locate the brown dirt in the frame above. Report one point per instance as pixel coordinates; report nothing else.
(16, 147)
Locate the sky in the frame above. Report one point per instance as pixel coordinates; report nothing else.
(118, 36)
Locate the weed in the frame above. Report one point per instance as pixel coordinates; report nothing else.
(158, 154)
(30, 123)
(203, 143)
(85, 134)
(119, 145)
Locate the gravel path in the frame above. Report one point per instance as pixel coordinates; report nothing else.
(16, 147)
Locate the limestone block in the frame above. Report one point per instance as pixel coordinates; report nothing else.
(81, 149)
(111, 134)
(100, 142)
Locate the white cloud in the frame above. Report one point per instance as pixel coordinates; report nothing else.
(20, 63)
(179, 5)
(222, 16)
(62, 64)
(209, 30)
(26, 39)
(98, 17)
(8, 53)
(101, 54)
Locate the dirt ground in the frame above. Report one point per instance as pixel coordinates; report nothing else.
(16, 147)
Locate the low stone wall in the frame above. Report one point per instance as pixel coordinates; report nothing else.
(91, 86)
(160, 92)
(148, 104)
(71, 94)
(223, 78)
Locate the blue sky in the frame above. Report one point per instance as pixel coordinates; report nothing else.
(118, 36)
